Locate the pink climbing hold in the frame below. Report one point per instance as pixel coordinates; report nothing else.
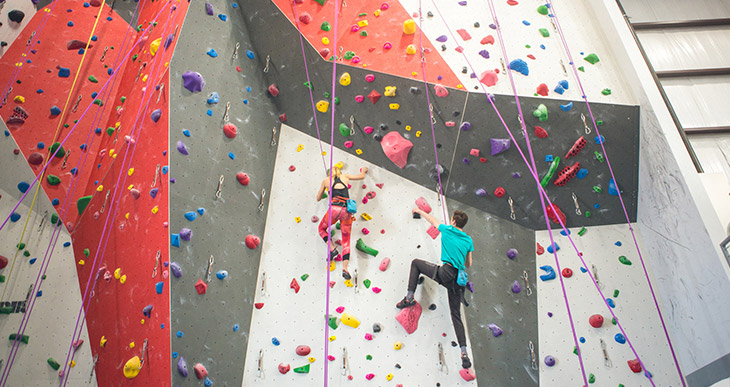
(396, 148)
(294, 285)
(384, 264)
(489, 78)
(450, 124)
(252, 241)
(464, 34)
(243, 178)
(303, 350)
(369, 78)
(423, 205)
(542, 89)
(230, 130)
(135, 193)
(433, 232)
(368, 336)
(284, 368)
(489, 39)
(369, 376)
(474, 152)
(349, 144)
(377, 290)
(365, 231)
(330, 358)
(368, 129)
(315, 218)
(340, 309)
(467, 374)
(292, 168)
(273, 90)
(408, 317)
(359, 98)
(440, 91)
(200, 371)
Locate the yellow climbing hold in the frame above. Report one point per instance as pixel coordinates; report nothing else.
(411, 49)
(390, 91)
(340, 165)
(394, 106)
(398, 345)
(348, 283)
(117, 273)
(123, 279)
(418, 133)
(389, 377)
(155, 209)
(130, 172)
(144, 78)
(376, 13)
(358, 151)
(409, 27)
(325, 40)
(100, 188)
(126, 216)
(81, 262)
(131, 345)
(350, 320)
(408, 128)
(300, 147)
(413, 73)
(111, 152)
(19, 99)
(311, 359)
(366, 216)
(154, 46)
(332, 266)
(322, 106)
(324, 153)
(72, 363)
(345, 79)
(297, 219)
(142, 322)
(132, 367)
(362, 23)
(102, 342)
(333, 338)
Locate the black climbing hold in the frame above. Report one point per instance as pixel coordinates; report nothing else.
(16, 16)
(464, 70)
(438, 146)
(3, 43)
(429, 14)
(418, 247)
(443, 47)
(397, 365)
(476, 24)
(432, 307)
(438, 170)
(378, 137)
(453, 343)
(398, 122)
(456, 113)
(376, 328)
(383, 127)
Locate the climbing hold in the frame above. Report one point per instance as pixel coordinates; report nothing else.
(511, 253)
(273, 90)
(566, 107)
(182, 148)
(252, 241)
(516, 288)
(82, 203)
(612, 188)
(554, 213)
(294, 285)
(567, 272)
(53, 179)
(201, 287)
(349, 320)
(213, 98)
(520, 66)
(606, 91)
(193, 81)
(16, 16)
(410, 49)
(200, 371)
(496, 330)
(541, 112)
(211, 53)
(302, 370)
(566, 174)
(624, 260)
(182, 367)
(396, 148)
(634, 365)
(499, 145)
(53, 363)
(499, 192)
(467, 374)
(243, 178)
(383, 264)
(576, 148)
(549, 273)
(542, 89)
(592, 58)
(549, 361)
(408, 318)
(390, 91)
(155, 116)
(303, 350)
(284, 368)
(620, 338)
(440, 91)
(397, 345)
(596, 321)
(35, 158)
(322, 106)
(230, 130)
(409, 27)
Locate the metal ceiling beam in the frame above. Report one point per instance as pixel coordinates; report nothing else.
(680, 24)
(693, 72)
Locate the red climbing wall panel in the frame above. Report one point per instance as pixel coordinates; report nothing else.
(388, 27)
(137, 228)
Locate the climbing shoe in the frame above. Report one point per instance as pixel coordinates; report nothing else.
(405, 303)
(465, 362)
(345, 275)
(333, 254)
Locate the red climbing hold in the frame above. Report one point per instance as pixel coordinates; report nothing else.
(201, 287)
(284, 368)
(374, 96)
(379, 185)
(554, 213)
(540, 132)
(542, 89)
(273, 90)
(252, 241)
(512, 2)
(230, 130)
(596, 321)
(305, 18)
(577, 147)
(243, 178)
(482, 159)
(259, 305)
(294, 285)
(489, 39)
(200, 371)
(409, 317)
(282, 117)
(540, 249)
(464, 34)
(238, 68)
(566, 174)
(499, 192)
(634, 365)
(292, 168)
(567, 273)
(325, 52)
(3, 262)
(531, 56)
(303, 350)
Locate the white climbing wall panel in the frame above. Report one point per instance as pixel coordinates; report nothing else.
(54, 314)
(292, 249)
(634, 307)
(581, 27)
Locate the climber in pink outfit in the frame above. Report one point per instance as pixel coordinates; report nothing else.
(340, 194)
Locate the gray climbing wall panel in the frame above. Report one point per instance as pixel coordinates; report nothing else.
(274, 35)
(505, 359)
(207, 321)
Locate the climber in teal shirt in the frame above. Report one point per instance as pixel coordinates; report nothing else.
(456, 254)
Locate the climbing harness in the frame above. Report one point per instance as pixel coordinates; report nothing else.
(157, 263)
(261, 203)
(528, 289)
(585, 125)
(606, 360)
(442, 359)
(210, 268)
(261, 374)
(511, 208)
(345, 362)
(220, 187)
(533, 361)
(577, 206)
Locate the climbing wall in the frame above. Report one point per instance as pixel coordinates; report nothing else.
(10, 28)
(497, 300)
(213, 328)
(58, 299)
(610, 254)
(455, 140)
(287, 318)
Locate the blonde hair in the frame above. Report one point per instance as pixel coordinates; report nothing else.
(336, 172)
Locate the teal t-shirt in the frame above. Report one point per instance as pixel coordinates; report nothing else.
(455, 244)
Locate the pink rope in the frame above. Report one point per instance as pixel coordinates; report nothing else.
(623, 206)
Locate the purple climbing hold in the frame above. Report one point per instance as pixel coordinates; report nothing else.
(176, 269)
(182, 367)
(516, 288)
(156, 115)
(182, 148)
(466, 125)
(442, 38)
(496, 331)
(147, 311)
(168, 41)
(511, 253)
(499, 145)
(484, 54)
(186, 234)
(209, 8)
(193, 81)
(153, 192)
(493, 26)
(549, 361)
(481, 192)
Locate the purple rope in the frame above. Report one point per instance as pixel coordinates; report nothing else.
(430, 112)
(56, 230)
(544, 194)
(117, 189)
(542, 199)
(27, 314)
(623, 206)
(310, 87)
(62, 143)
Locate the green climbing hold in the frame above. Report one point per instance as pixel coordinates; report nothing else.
(363, 33)
(2, 278)
(553, 167)
(362, 14)
(528, 46)
(366, 283)
(54, 364)
(82, 203)
(613, 321)
(53, 179)
(26, 253)
(86, 253)
(66, 126)
(123, 99)
(369, 357)
(544, 32)
(588, 214)
(582, 231)
(110, 130)
(344, 130)
(349, 55)
(321, 2)
(326, 95)
(591, 378)
(23, 338)
(360, 245)
(6, 310)
(337, 100)
(303, 277)
(54, 218)
(333, 322)
(98, 102)
(615, 293)
(624, 260)
(61, 151)
(541, 113)
(542, 10)
(592, 58)
(93, 79)
(599, 122)
(606, 91)
(338, 225)
(597, 189)
(599, 156)
(582, 69)
(20, 246)
(575, 350)
(134, 57)
(621, 385)
(308, 85)
(325, 26)
(303, 369)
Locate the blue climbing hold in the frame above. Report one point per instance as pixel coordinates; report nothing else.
(175, 240)
(154, 191)
(610, 303)
(164, 169)
(245, 102)
(563, 233)
(55, 110)
(191, 215)
(599, 139)
(32, 260)
(223, 17)
(66, 244)
(209, 113)
(212, 53)
(14, 217)
(73, 171)
(250, 54)
(618, 243)
(542, 46)
(248, 88)
(549, 158)
(81, 51)
(236, 327)
(179, 334)
(82, 146)
(174, 355)
(597, 205)
(23, 186)
(520, 66)
(525, 22)
(275, 341)
(208, 382)
(40, 293)
(620, 338)
(94, 38)
(549, 273)
(201, 210)
(612, 188)
(70, 24)
(97, 130)
(221, 274)
(186, 132)
(94, 94)
(581, 173)
(213, 98)
(559, 89)
(159, 286)
(553, 248)
(56, 202)
(583, 270)
(582, 339)
(64, 72)
(564, 84)
(39, 91)
(566, 107)
(41, 145)
(232, 155)
(234, 5)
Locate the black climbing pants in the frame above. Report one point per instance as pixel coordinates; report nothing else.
(446, 276)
